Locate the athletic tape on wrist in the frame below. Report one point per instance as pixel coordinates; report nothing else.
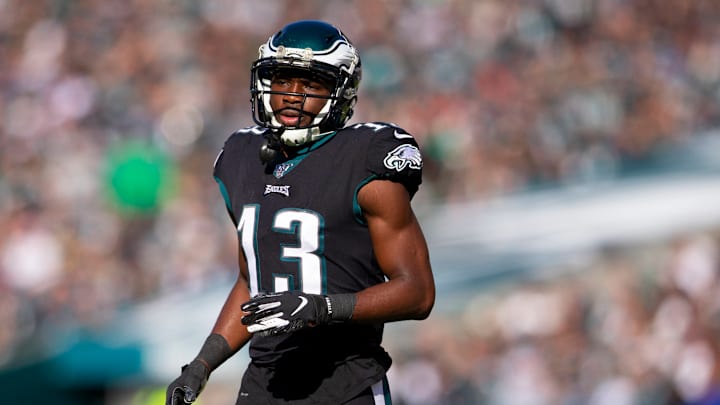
(214, 351)
(340, 306)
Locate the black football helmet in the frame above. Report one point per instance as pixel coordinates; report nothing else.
(320, 50)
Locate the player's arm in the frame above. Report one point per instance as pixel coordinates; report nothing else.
(227, 337)
(228, 322)
(402, 253)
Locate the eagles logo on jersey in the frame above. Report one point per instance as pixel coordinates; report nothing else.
(402, 157)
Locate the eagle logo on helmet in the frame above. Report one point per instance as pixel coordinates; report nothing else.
(402, 157)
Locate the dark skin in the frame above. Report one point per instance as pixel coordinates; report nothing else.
(291, 108)
(397, 239)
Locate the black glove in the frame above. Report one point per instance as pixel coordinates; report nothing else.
(284, 312)
(186, 388)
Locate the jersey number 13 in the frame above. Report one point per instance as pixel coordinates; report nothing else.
(307, 227)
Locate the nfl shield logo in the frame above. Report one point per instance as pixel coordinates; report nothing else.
(281, 169)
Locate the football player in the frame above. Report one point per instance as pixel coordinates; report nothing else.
(330, 246)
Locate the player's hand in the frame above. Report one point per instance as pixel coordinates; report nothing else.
(186, 388)
(277, 313)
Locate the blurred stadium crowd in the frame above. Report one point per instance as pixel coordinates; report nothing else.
(111, 114)
(638, 326)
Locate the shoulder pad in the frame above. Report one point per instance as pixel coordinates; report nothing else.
(382, 128)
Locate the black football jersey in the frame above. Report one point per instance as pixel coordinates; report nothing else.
(301, 228)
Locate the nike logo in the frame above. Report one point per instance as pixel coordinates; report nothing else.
(403, 135)
(303, 302)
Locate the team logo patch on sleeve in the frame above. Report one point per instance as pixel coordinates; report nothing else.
(402, 157)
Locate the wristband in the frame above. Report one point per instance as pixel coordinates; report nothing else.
(340, 306)
(214, 351)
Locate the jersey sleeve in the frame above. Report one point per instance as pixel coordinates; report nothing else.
(221, 175)
(394, 155)
(217, 175)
